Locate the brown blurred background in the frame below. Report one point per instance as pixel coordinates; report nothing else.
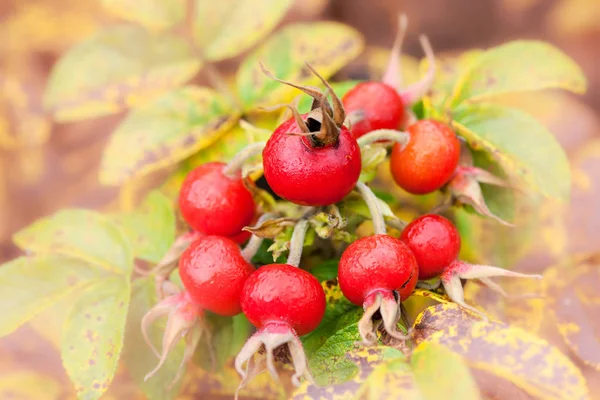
(46, 166)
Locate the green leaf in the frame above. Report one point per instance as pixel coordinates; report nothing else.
(339, 313)
(30, 284)
(117, 68)
(453, 380)
(153, 14)
(518, 66)
(519, 143)
(151, 228)
(83, 234)
(93, 336)
(171, 128)
(137, 355)
(326, 270)
(224, 29)
(327, 46)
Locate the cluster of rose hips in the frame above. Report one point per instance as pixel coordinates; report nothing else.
(314, 160)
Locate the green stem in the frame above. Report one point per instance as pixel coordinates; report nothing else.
(373, 205)
(297, 243)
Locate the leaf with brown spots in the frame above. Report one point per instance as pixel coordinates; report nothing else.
(137, 356)
(164, 132)
(364, 361)
(83, 234)
(574, 301)
(223, 29)
(508, 352)
(508, 135)
(326, 46)
(120, 67)
(518, 66)
(271, 227)
(151, 228)
(92, 336)
(29, 385)
(153, 14)
(524, 307)
(30, 284)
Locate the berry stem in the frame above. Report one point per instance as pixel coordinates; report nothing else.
(255, 241)
(373, 205)
(240, 158)
(297, 243)
(384, 134)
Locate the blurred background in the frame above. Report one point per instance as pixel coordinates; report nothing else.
(46, 166)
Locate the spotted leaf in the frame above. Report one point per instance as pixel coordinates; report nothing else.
(117, 68)
(171, 128)
(573, 299)
(92, 336)
(30, 284)
(505, 351)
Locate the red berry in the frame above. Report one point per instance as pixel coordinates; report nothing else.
(306, 174)
(282, 294)
(214, 203)
(377, 263)
(380, 104)
(434, 241)
(429, 159)
(213, 272)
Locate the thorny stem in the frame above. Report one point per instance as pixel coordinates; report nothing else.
(373, 205)
(255, 241)
(240, 158)
(297, 243)
(384, 134)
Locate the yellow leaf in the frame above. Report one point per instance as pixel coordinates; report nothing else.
(327, 46)
(173, 127)
(224, 29)
(573, 294)
(508, 352)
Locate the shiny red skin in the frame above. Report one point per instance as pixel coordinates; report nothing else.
(213, 272)
(381, 104)
(283, 294)
(378, 262)
(215, 204)
(306, 175)
(434, 241)
(429, 159)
